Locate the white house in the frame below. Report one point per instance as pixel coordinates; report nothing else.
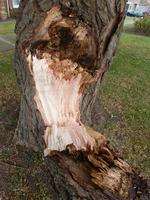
(15, 3)
(132, 4)
(142, 6)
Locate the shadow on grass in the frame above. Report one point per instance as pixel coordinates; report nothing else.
(9, 98)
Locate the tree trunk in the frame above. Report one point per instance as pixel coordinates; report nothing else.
(62, 51)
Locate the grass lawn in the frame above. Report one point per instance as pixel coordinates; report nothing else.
(124, 92)
(7, 27)
(9, 98)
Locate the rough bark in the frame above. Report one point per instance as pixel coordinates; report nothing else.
(76, 40)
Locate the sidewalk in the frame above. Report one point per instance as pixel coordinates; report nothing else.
(7, 43)
(7, 40)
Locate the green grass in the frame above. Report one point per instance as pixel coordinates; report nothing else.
(7, 27)
(125, 95)
(124, 92)
(9, 98)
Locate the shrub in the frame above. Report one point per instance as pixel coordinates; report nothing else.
(143, 25)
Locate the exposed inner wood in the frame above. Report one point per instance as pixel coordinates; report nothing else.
(61, 58)
(58, 100)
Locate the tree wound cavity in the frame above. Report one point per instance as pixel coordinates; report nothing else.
(63, 65)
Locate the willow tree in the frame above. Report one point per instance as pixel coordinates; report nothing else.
(63, 49)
